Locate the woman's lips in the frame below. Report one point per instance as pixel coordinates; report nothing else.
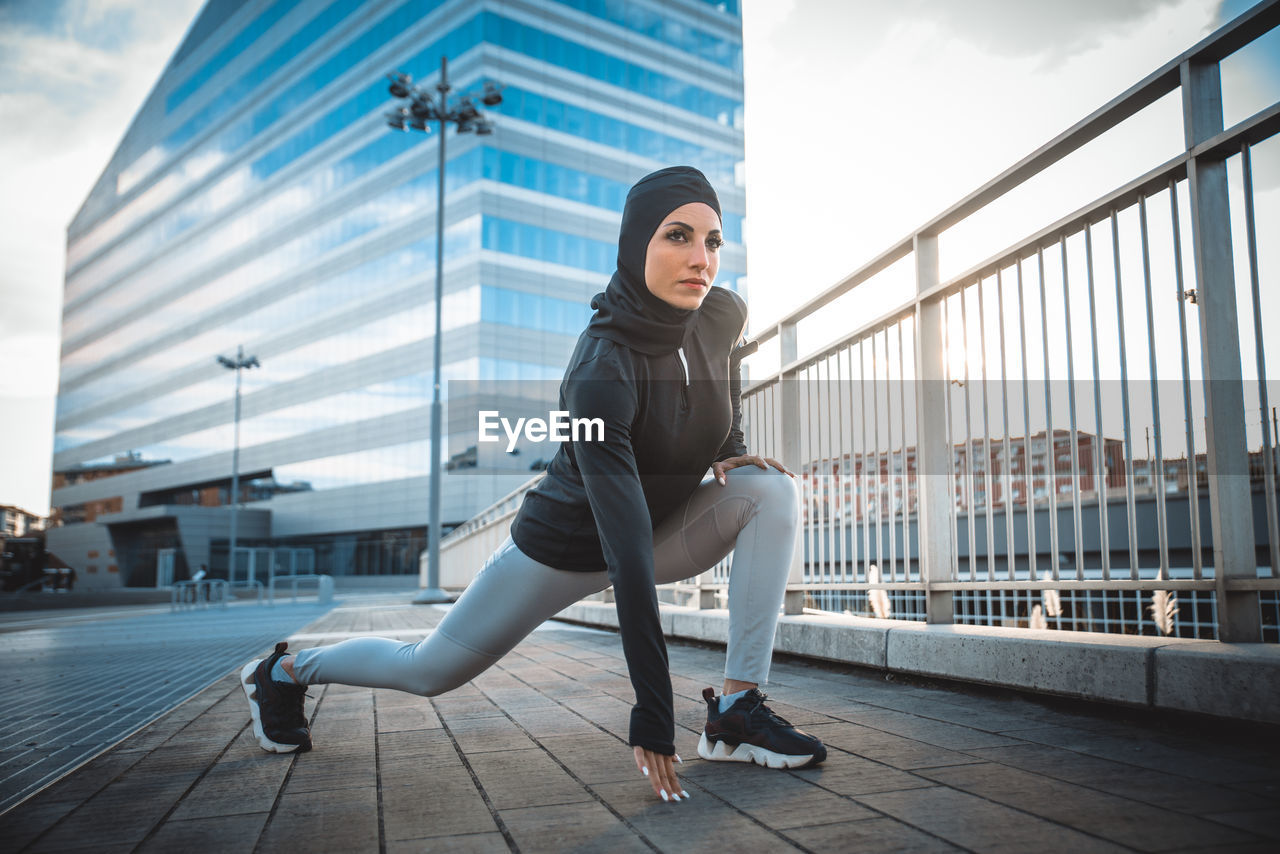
(696, 284)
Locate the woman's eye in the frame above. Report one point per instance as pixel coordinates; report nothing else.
(714, 243)
(676, 234)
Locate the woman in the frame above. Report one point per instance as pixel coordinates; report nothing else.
(630, 511)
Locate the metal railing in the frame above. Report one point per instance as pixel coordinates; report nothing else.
(919, 478)
(970, 455)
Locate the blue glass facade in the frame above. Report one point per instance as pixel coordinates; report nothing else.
(260, 200)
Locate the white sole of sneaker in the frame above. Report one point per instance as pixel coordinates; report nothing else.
(720, 752)
(251, 694)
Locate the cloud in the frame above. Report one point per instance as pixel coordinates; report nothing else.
(72, 74)
(1050, 32)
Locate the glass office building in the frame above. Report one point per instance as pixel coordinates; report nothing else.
(259, 199)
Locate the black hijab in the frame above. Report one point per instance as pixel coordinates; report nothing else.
(627, 312)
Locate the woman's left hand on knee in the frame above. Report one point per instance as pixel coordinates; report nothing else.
(721, 469)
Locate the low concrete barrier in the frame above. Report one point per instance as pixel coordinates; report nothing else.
(1239, 681)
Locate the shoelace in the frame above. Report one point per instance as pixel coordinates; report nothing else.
(767, 713)
(298, 713)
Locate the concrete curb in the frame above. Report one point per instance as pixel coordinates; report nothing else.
(1240, 681)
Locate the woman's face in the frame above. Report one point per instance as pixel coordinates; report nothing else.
(684, 255)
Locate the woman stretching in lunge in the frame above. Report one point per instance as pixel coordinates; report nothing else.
(632, 510)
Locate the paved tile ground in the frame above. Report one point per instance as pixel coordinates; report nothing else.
(531, 757)
(77, 681)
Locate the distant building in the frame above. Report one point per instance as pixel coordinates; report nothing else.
(853, 485)
(16, 522)
(259, 199)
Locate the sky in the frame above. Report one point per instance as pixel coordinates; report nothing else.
(863, 120)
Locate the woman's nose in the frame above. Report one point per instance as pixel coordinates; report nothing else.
(700, 257)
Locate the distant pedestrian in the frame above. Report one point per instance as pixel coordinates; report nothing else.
(656, 364)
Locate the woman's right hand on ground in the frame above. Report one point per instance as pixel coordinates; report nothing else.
(661, 771)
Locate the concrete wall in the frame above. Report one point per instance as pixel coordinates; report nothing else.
(1240, 681)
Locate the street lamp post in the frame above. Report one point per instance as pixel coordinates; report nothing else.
(466, 116)
(238, 364)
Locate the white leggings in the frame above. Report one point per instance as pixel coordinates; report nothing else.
(755, 515)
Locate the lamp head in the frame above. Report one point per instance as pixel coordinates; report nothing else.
(396, 118)
(492, 94)
(400, 84)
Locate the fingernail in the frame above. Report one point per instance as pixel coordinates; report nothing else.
(683, 792)
(664, 795)
(646, 771)
(678, 759)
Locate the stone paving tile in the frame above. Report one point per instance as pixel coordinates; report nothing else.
(702, 823)
(449, 805)
(430, 748)
(1175, 792)
(894, 750)
(873, 834)
(778, 800)
(1136, 750)
(594, 758)
(938, 733)
(395, 716)
(850, 775)
(570, 827)
(977, 824)
(1251, 848)
(245, 780)
(476, 843)
(1119, 819)
(525, 778)
(451, 708)
(332, 820)
(233, 833)
(121, 814)
(484, 735)
(545, 723)
(1258, 822)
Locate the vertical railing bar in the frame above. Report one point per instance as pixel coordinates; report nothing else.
(951, 442)
(830, 390)
(1078, 534)
(1029, 485)
(823, 529)
(970, 477)
(904, 480)
(846, 452)
(1124, 402)
(811, 454)
(866, 486)
(892, 574)
(833, 441)
(1268, 458)
(986, 442)
(1193, 477)
(1050, 434)
(1099, 441)
(1006, 488)
(1162, 520)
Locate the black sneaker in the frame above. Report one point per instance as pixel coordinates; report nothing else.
(749, 731)
(279, 720)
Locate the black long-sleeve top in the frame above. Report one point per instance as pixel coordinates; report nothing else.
(667, 418)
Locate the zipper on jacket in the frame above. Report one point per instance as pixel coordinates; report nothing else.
(684, 364)
(684, 389)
